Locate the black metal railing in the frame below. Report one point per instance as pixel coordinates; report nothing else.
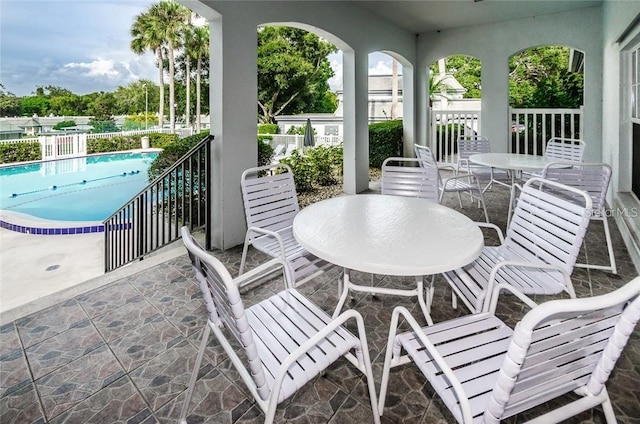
(152, 218)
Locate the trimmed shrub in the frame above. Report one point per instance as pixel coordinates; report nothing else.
(268, 129)
(385, 140)
(160, 140)
(113, 144)
(20, 152)
(265, 152)
(304, 171)
(323, 159)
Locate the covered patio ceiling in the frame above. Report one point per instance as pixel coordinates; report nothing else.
(434, 15)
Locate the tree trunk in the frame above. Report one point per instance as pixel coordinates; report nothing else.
(198, 69)
(394, 89)
(161, 80)
(187, 117)
(172, 91)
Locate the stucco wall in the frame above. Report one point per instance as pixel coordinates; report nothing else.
(494, 43)
(233, 27)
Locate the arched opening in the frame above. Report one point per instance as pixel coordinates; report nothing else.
(546, 97)
(455, 93)
(297, 66)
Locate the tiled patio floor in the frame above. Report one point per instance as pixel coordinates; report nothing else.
(123, 353)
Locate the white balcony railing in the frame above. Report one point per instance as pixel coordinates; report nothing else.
(529, 131)
(532, 128)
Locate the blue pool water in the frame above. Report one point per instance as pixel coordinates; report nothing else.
(82, 189)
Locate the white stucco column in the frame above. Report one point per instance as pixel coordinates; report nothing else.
(495, 100)
(356, 126)
(409, 109)
(233, 123)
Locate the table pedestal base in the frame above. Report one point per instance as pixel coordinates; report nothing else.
(347, 285)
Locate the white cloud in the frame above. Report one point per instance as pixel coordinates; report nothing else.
(99, 67)
(381, 68)
(335, 82)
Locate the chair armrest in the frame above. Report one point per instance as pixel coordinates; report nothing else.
(493, 227)
(267, 233)
(465, 407)
(508, 287)
(263, 269)
(520, 264)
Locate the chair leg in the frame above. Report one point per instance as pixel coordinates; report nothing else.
(194, 374)
(345, 293)
(243, 260)
(609, 415)
(607, 233)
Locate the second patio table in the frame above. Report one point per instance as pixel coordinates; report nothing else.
(388, 235)
(512, 161)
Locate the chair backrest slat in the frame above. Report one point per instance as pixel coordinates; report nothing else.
(567, 149)
(409, 181)
(223, 296)
(564, 345)
(472, 145)
(593, 178)
(548, 228)
(270, 201)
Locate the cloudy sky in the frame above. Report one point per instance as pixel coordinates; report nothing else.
(83, 46)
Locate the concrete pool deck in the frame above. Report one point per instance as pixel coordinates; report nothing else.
(38, 271)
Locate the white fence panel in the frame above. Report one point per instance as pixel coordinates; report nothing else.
(531, 128)
(447, 126)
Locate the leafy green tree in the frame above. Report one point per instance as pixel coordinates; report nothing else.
(293, 71)
(67, 105)
(38, 105)
(148, 36)
(171, 18)
(540, 78)
(9, 103)
(102, 106)
(136, 97)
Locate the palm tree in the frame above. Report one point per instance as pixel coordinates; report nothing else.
(147, 35)
(198, 48)
(171, 17)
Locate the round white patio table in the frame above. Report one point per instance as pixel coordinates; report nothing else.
(388, 235)
(511, 161)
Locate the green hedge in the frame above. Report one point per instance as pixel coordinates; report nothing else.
(172, 152)
(385, 140)
(20, 152)
(268, 129)
(113, 144)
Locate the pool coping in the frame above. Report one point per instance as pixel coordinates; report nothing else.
(28, 224)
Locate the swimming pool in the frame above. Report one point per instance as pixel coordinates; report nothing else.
(83, 189)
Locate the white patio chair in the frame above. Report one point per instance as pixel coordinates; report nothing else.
(278, 152)
(409, 177)
(284, 341)
(593, 178)
(564, 149)
(538, 255)
(485, 372)
(559, 149)
(469, 145)
(456, 184)
(403, 177)
(270, 204)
